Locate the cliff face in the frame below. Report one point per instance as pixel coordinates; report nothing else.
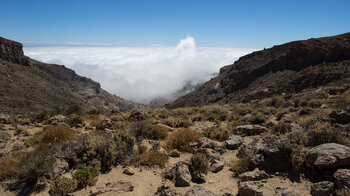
(286, 68)
(28, 85)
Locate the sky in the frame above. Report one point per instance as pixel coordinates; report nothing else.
(141, 50)
(214, 23)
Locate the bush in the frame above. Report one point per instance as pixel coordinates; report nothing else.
(181, 139)
(297, 158)
(86, 176)
(58, 134)
(34, 164)
(177, 122)
(100, 149)
(74, 109)
(157, 132)
(154, 157)
(9, 166)
(62, 186)
(72, 122)
(216, 133)
(240, 165)
(200, 163)
(33, 140)
(257, 118)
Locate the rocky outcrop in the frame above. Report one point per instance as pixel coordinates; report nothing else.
(180, 174)
(234, 143)
(324, 188)
(12, 51)
(341, 116)
(112, 187)
(254, 175)
(342, 177)
(197, 190)
(269, 152)
(329, 156)
(250, 188)
(286, 68)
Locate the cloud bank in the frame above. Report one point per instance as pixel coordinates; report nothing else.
(141, 73)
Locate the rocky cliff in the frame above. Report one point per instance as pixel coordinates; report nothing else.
(28, 85)
(287, 68)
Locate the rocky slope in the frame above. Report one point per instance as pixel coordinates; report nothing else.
(27, 85)
(287, 68)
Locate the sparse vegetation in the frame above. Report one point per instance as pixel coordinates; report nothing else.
(200, 163)
(216, 133)
(58, 134)
(86, 176)
(181, 139)
(62, 186)
(239, 166)
(153, 157)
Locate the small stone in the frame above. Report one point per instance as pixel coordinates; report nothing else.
(254, 175)
(129, 171)
(175, 153)
(216, 166)
(234, 143)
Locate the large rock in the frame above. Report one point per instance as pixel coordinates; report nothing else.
(329, 156)
(234, 143)
(250, 129)
(165, 191)
(197, 190)
(183, 176)
(216, 166)
(250, 188)
(268, 153)
(342, 177)
(57, 119)
(324, 188)
(341, 116)
(254, 175)
(114, 187)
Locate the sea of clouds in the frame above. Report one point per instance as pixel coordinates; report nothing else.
(141, 73)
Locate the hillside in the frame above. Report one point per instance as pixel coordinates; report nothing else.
(28, 85)
(287, 68)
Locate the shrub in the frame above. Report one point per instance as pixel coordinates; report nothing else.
(157, 132)
(34, 164)
(342, 192)
(4, 136)
(33, 140)
(200, 163)
(297, 158)
(9, 166)
(177, 122)
(41, 116)
(216, 133)
(181, 139)
(86, 176)
(154, 157)
(58, 134)
(257, 118)
(74, 109)
(62, 186)
(215, 114)
(72, 122)
(240, 165)
(322, 132)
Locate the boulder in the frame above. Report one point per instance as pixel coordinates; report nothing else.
(112, 187)
(329, 156)
(197, 190)
(250, 188)
(342, 177)
(175, 153)
(198, 178)
(206, 142)
(254, 175)
(234, 143)
(324, 188)
(269, 153)
(250, 129)
(57, 119)
(129, 171)
(137, 115)
(216, 166)
(165, 190)
(182, 176)
(341, 116)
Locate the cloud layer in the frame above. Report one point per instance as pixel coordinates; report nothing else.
(141, 73)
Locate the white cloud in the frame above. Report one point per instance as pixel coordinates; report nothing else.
(141, 73)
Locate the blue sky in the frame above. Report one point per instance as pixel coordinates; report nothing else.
(215, 23)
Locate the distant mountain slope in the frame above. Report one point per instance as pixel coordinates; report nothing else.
(27, 85)
(286, 68)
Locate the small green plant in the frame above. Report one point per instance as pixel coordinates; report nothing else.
(62, 186)
(33, 140)
(86, 176)
(240, 165)
(72, 122)
(58, 135)
(200, 163)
